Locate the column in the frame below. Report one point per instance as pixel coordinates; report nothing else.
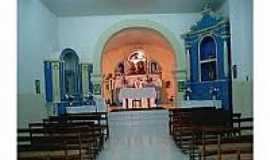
(225, 56)
(188, 62)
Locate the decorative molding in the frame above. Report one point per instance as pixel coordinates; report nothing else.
(216, 27)
(188, 46)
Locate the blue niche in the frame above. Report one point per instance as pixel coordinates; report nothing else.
(208, 51)
(70, 73)
(64, 83)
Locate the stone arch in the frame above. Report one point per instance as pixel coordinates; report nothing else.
(176, 46)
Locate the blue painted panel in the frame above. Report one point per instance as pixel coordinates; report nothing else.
(61, 107)
(48, 81)
(202, 91)
(194, 63)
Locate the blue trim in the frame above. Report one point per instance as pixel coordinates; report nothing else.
(48, 81)
(61, 108)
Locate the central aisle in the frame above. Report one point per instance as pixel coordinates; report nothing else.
(140, 135)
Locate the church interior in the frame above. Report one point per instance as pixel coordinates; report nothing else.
(145, 79)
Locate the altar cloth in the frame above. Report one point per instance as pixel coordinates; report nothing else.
(100, 106)
(200, 103)
(137, 93)
(81, 109)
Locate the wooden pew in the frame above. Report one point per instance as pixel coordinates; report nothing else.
(185, 126)
(95, 129)
(98, 117)
(176, 113)
(55, 143)
(215, 142)
(199, 117)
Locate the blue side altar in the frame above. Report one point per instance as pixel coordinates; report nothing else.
(68, 83)
(207, 46)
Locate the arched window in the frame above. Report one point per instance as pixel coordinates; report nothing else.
(208, 59)
(71, 71)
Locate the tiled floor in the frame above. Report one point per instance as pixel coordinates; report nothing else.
(140, 135)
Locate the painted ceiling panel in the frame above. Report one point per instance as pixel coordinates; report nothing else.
(64, 8)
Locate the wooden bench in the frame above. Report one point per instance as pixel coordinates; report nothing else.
(95, 129)
(176, 113)
(215, 143)
(218, 141)
(97, 117)
(186, 125)
(57, 142)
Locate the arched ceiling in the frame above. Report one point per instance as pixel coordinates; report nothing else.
(109, 7)
(136, 37)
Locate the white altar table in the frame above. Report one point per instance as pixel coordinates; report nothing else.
(200, 103)
(146, 97)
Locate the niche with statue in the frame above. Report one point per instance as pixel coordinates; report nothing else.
(208, 63)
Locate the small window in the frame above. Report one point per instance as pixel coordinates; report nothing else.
(208, 59)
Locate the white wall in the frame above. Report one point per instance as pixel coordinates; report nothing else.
(82, 33)
(37, 38)
(241, 36)
(224, 9)
(240, 13)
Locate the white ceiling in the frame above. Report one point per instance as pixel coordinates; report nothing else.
(108, 7)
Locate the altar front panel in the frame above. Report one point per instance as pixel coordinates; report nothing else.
(136, 93)
(146, 97)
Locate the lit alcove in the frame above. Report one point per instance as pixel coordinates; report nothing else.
(208, 59)
(71, 70)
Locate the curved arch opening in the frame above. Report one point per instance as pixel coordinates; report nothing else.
(141, 54)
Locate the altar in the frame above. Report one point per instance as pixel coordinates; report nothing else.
(137, 97)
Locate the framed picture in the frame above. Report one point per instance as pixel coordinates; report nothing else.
(37, 86)
(181, 86)
(96, 89)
